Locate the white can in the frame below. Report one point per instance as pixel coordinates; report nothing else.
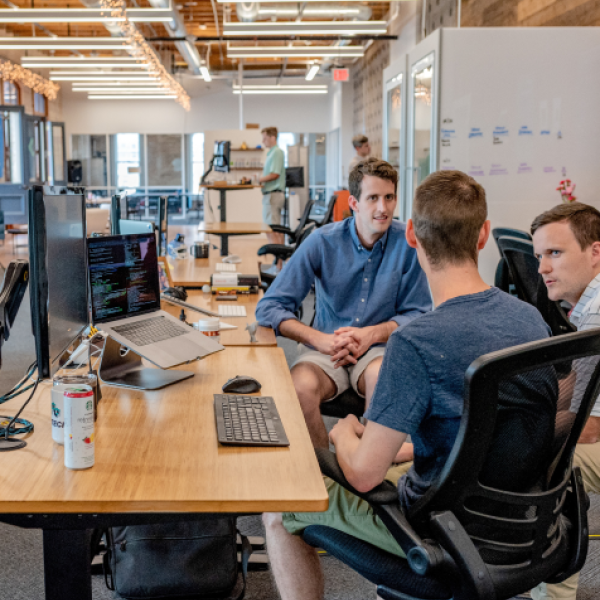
(58, 415)
(79, 427)
(210, 328)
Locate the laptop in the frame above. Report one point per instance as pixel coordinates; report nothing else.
(125, 302)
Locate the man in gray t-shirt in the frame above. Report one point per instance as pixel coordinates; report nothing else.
(420, 387)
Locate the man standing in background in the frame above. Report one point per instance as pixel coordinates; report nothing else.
(273, 183)
(363, 150)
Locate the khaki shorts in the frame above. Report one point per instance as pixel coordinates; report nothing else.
(272, 205)
(343, 377)
(350, 514)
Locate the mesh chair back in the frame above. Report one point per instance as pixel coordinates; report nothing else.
(499, 232)
(507, 478)
(328, 216)
(306, 231)
(303, 219)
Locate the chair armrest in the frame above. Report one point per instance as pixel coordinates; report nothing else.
(281, 229)
(278, 250)
(423, 557)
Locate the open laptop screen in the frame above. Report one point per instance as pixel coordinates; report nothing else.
(123, 276)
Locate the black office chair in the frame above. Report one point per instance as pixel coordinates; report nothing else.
(468, 541)
(279, 252)
(328, 216)
(529, 284)
(502, 278)
(293, 235)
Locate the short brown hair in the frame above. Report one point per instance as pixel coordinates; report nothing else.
(583, 219)
(448, 213)
(271, 131)
(359, 140)
(371, 166)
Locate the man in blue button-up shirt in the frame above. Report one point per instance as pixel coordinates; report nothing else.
(368, 282)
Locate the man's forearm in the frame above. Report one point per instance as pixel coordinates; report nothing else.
(382, 332)
(299, 332)
(269, 177)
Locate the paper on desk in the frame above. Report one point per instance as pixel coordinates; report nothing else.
(226, 326)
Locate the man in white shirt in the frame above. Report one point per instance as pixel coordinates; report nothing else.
(566, 240)
(363, 150)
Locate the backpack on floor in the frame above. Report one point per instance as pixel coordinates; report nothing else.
(187, 559)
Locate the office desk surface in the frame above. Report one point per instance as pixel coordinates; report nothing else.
(158, 451)
(228, 228)
(233, 337)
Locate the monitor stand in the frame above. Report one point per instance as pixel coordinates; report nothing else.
(127, 370)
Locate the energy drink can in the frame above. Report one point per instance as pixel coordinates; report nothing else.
(79, 427)
(58, 413)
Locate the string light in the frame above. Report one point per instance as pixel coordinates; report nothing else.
(141, 50)
(16, 73)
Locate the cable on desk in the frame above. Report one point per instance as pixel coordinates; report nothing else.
(27, 426)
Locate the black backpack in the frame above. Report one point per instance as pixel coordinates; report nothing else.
(186, 559)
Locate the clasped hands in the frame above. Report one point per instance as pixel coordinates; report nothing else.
(346, 344)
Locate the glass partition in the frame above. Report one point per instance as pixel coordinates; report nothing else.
(394, 121)
(35, 150)
(11, 165)
(422, 119)
(91, 150)
(128, 160)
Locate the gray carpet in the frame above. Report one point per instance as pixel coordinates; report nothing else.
(21, 557)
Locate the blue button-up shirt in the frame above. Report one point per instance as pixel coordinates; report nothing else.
(355, 286)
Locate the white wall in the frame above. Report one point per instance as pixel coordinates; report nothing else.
(216, 108)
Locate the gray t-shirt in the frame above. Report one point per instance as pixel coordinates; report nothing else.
(421, 384)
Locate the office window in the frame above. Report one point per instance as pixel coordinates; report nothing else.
(91, 150)
(197, 160)
(40, 104)
(164, 160)
(283, 141)
(10, 92)
(128, 160)
(10, 165)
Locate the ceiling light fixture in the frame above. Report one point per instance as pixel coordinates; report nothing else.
(205, 74)
(83, 15)
(124, 90)
(55, 65)
(133, 97)
(63, 43)
(314, 69)
(342, 11)
(279, 91)
(111, 78)
(101, 73)
(292, 51)
(278, 87)
(110, 83)
(306, 28)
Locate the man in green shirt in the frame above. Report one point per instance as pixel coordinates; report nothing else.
(273, 183)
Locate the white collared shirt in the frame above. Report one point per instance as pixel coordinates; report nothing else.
(586, 315)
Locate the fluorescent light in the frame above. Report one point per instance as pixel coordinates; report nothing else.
(111, 78)
(112, 83)
(102, 73)
(296, 1)
(281, 90)
(82, 15)
(86, 61)
(341, 11)
(103, 97)
(63, 43)
(205, 73)
(306, 28)
(125, 90)
(287, 51)
(312, 72)
(55, 65)
(279, 87)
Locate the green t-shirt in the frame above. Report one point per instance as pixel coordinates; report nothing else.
(275, 163)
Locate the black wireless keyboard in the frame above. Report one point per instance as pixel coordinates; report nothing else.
(248, 421)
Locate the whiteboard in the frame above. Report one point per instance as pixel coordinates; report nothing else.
(519, 112)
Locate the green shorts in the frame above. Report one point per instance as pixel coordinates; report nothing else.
(350, 514)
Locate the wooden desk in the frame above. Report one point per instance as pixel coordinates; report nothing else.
(157, 459)
(223, 189)
(226, 229)
(195, 272)
(234, 337)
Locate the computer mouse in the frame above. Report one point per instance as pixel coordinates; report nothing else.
(178, 293)
(241, 384)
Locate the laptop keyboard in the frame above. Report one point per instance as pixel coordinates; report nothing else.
(248, 421)
(150, 331)
(232, 310)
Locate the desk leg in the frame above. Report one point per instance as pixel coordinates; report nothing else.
(223, 206)
(224, 245)
(67, 564)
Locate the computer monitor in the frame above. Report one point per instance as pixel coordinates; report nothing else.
(115, 215)
(129, 226)
(58, 272)
(221, 157)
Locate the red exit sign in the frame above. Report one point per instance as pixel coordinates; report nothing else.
(341, 74)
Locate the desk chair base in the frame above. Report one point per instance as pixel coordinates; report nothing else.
(127, 370)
